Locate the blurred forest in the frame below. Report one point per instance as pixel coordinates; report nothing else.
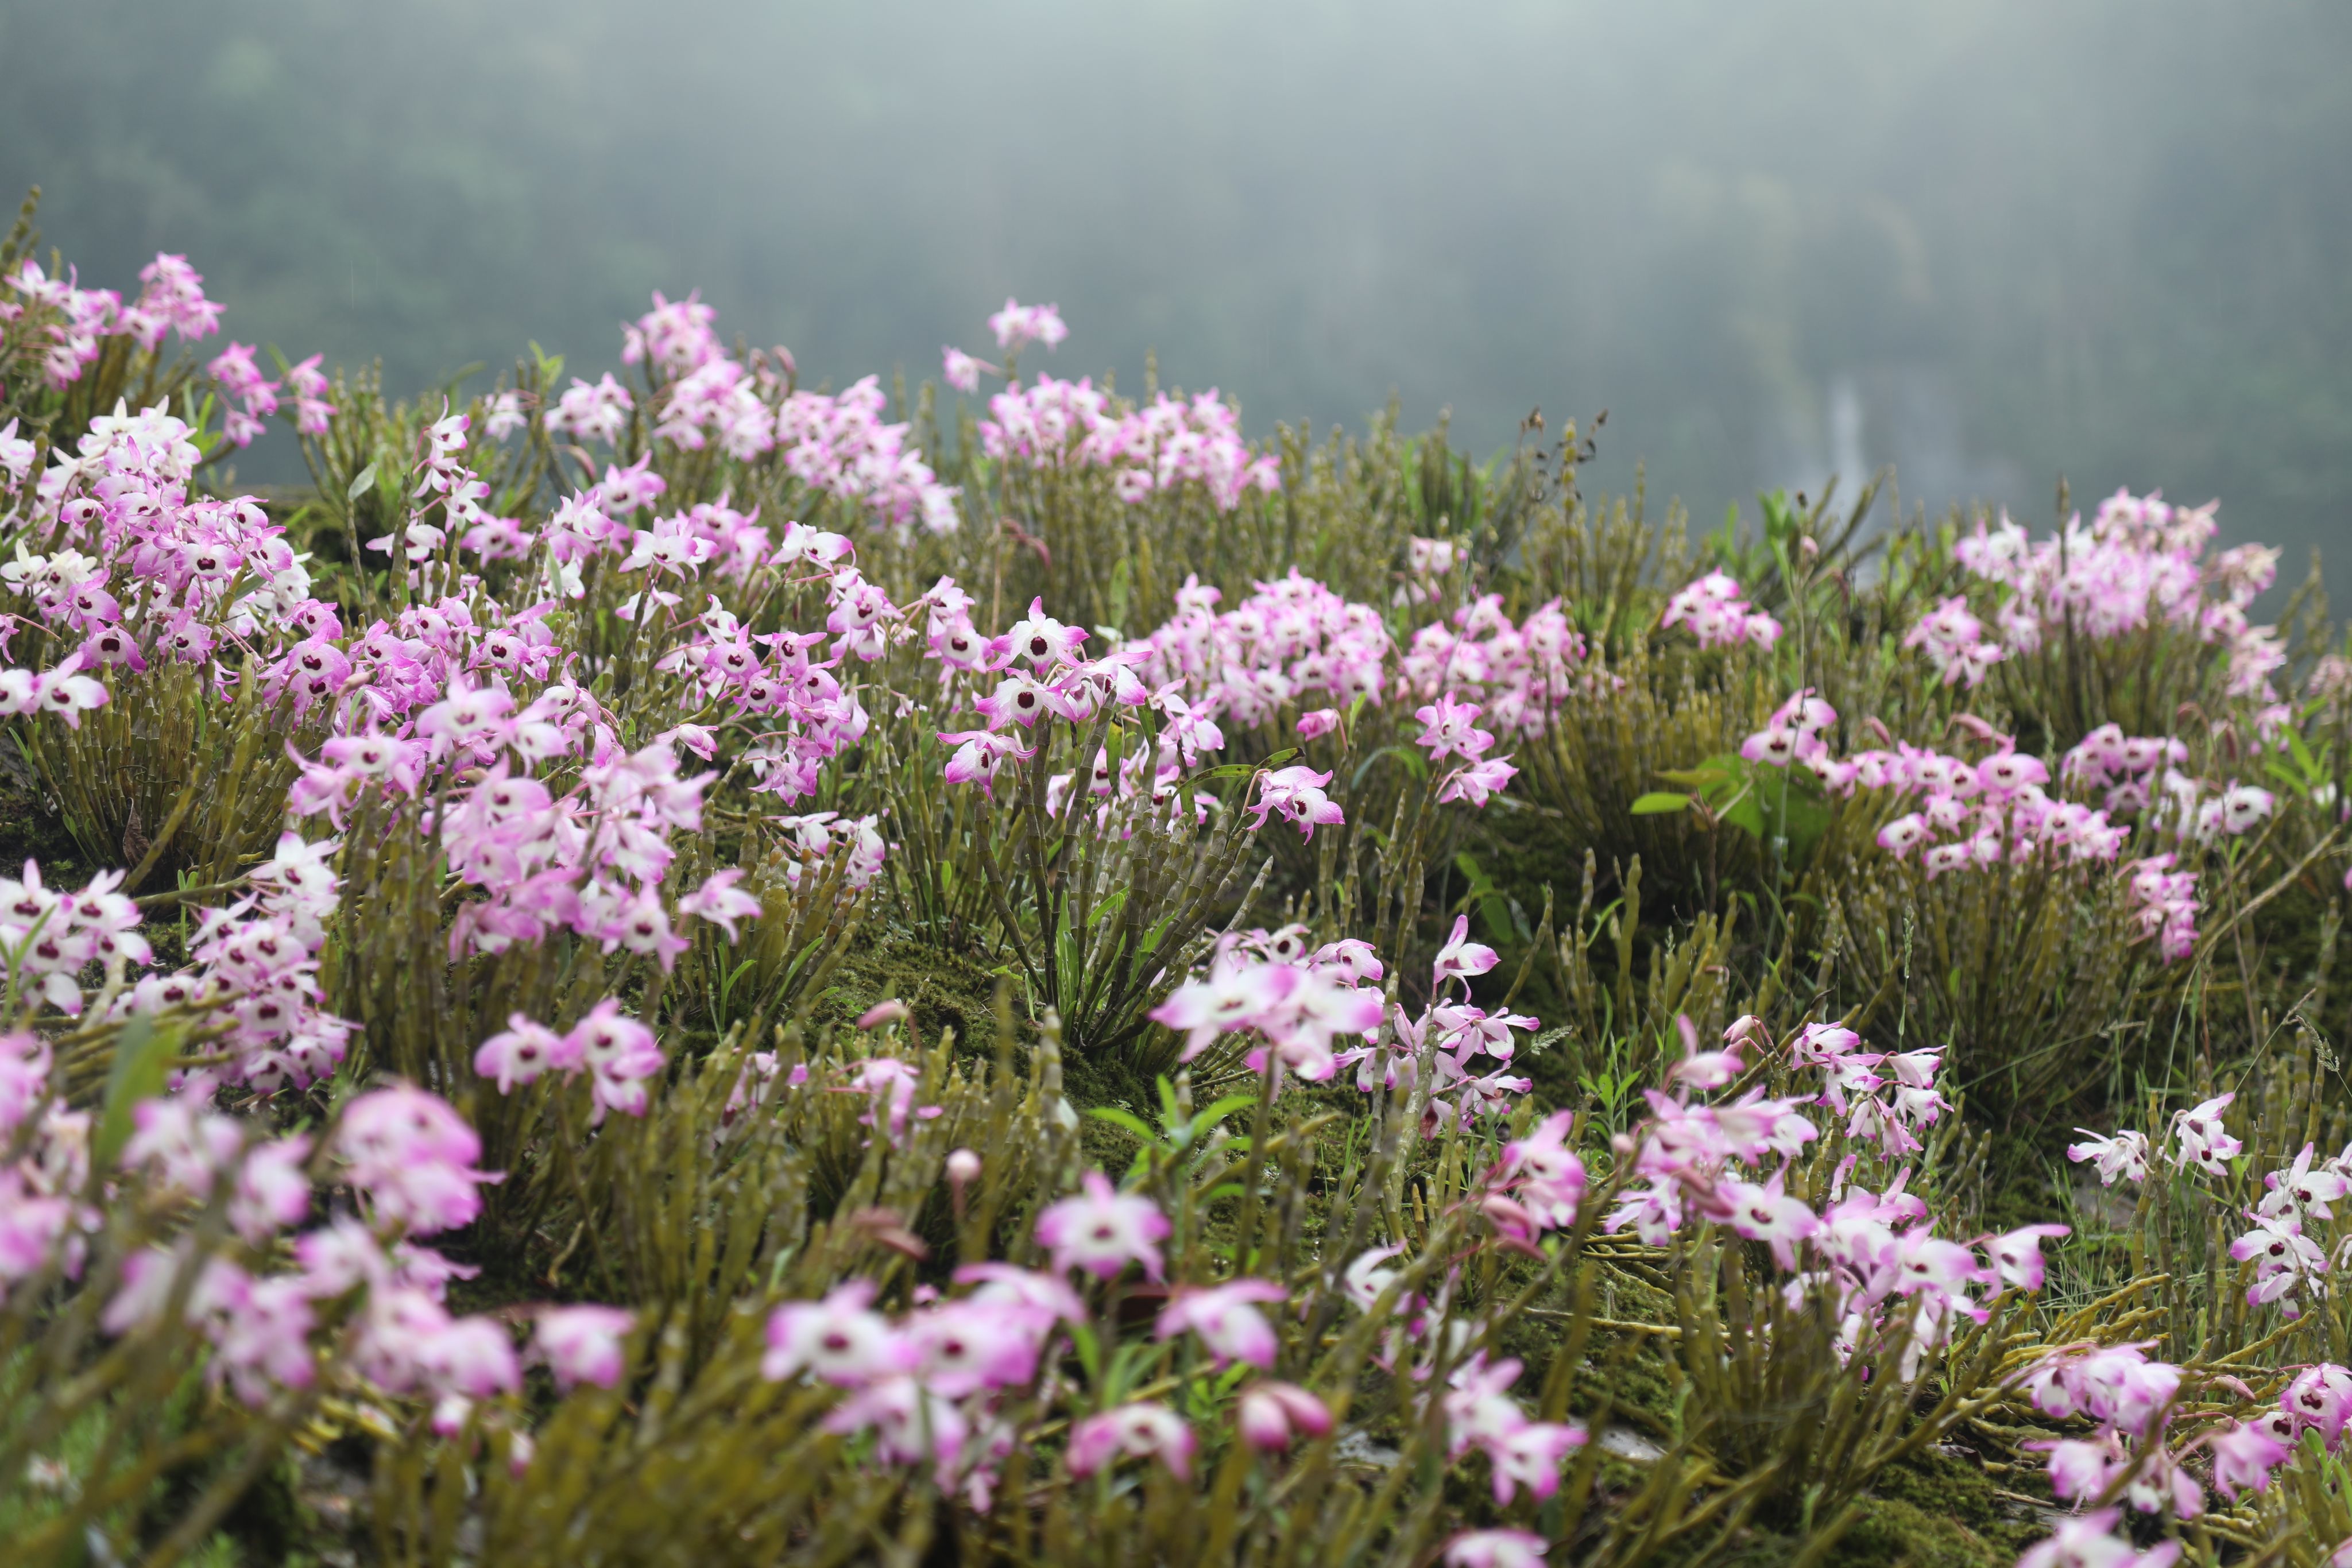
(1989, 243)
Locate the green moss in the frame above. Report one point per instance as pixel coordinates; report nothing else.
(944, 988)
(29, 828)
(1956, 1487)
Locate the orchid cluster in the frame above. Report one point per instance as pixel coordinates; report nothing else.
(1146, 450)
(1447, 1041)
(1524, 672)
(197, 577)
(1017, 326)
(258, 971)
(597, 411)
(2285, 1258)
(1794, 734)
(2164, 906)
(42, 1223)
(1074, 424)
(239, 378)
(2088, 1541)
(48, 937)
(2144, 775)
(2199, 1140)
(937, 1386)
(842, 446)
(1851, 1086)
(618, 1053)
(837, 444)
(1450, 729)
(2140, 563)
(1298, 1005)
(2133, 1401)
(2123, 770)
(1482, 1416)
(1954, 641)
(444, 480)
(1715, 611)
(1974, 816)
(1292, 641)
(1885, 1272)
(171, 298)
(1427, 563)
(408, 1159)
(592, 859)
(1041, 676)
(947, 1385)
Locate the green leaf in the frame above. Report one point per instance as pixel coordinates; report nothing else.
(1714, 781)
(1127, 1119)
(1410, 756)
(362, 483)
(1119, 590)
(1218, 1110)
(727, 987)
(1126, 1362)
(1089, 1348)
(143, 1054)
(1494, 909)
(1658, 802)
(2303, 757)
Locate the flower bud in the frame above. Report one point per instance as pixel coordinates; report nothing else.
(1263, 1425)
(1272, 1414)
(1507, 1216)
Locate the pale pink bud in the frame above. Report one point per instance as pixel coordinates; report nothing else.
(1509, 1217)
(891, 1012)
(1273, 1414)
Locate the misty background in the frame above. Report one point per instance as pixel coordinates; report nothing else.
(1988, 243)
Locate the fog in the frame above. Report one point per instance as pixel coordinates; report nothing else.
(1990, 243)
